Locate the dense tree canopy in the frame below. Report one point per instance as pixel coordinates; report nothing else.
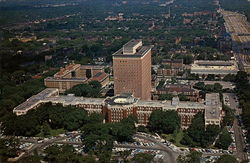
(227, 159)
(208, 87)
(164, 121)
(197, 135)
(31, 159)
(228, 119)
(65, 154)
(8, 148)
(166, 97)
(142, 158)
(224, 140)
(45, 117)
(229, 77)
(98, 137)
(243, 93)
(92, 89)
(193, 157)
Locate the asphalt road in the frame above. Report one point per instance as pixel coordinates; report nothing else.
(38, 146)
(170, 155)
(239, 140)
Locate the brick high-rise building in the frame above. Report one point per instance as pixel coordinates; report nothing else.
(132, 70)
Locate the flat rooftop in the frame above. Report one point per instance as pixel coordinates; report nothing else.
(132, 43)
(213, 99)
(214, 63)
(33, 100)
(213, 106)
(214, 67)
(133, 48)
(73, 100)
(212, 112)
(139, 53)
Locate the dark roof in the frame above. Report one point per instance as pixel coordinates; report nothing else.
(214, 63)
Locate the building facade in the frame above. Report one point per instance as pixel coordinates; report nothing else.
(177, 89)
(75, 74)
(170, 67)
(132, 70)
(121, 106)
(205, 67)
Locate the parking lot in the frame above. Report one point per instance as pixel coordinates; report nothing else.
(238, 130)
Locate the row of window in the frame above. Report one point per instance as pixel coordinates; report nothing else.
(187, 110)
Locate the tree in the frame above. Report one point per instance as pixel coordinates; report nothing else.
(166, 97)
(75, 119)
(164, 121)
(229, 77)
(210, 77)
(228, 119)
(98, 137)
(42, 119)
(88, 159)
(18, 76)
(31, 159)
(64, 154)
(142, 158)
(224, 140)
(199, 85)
(8, 148)
(123, 132)
(183, 97)
(95, 84)
(197, 135)
(107, 70)
(217, 87)
(161, 84)
(227, 159)
(88, 73)
(241, 78)
(188, 59)
(46, 129)
(130, 120)
(92, 89)
(193, 157)
(197, 128)
(95, 118)
(101, 145)
(125, 154)
(142, 129)
(210, 135)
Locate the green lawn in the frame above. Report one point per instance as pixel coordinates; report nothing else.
(175, 138)
(57, 132)
(52, 132)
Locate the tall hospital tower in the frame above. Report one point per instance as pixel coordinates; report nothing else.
(132, 70)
